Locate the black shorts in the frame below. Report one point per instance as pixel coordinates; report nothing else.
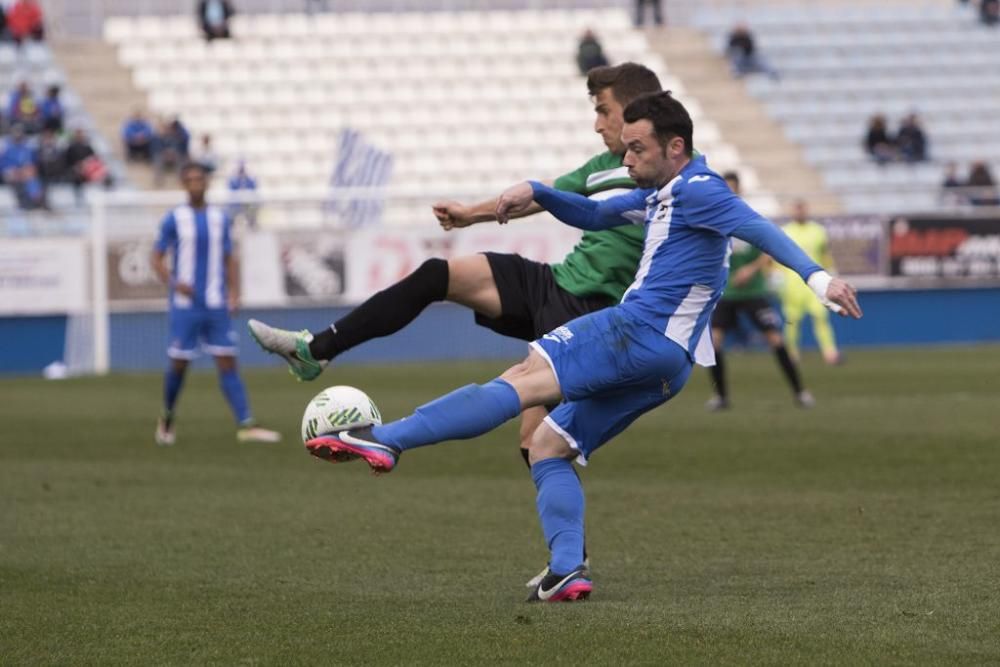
(759, 310)
(531, 303)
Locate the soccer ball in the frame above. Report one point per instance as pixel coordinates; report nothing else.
(337, 409)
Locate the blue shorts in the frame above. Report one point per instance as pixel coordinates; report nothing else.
(611, 368)
(200, 329)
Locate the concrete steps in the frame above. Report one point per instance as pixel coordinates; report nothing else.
(107, 92)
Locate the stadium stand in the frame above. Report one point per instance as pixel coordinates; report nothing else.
(839, 66)
(33, 63)
(464, 101)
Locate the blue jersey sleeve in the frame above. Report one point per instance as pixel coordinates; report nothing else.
(767, 236)
(579, 211)
(168, 233)
(708, 203)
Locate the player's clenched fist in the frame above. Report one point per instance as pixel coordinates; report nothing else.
(452, 215)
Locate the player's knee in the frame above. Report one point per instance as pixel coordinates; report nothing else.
(547, 444)
(433, 276)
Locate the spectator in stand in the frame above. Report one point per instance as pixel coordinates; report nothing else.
(981, 186)
(590, 53)
(989, 12)
(83, 164)
(20, 171)
(23, 110)
(744, 58)
(911, 142)
(640, 11)
(243, 185)
(214, 17)
(878, 143)
(53, 114)
(952, 187)
(170, 149)
(138, 136)
(206, 156)
(50, 158)
(25, 21)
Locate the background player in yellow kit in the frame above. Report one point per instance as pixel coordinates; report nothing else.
(797, 300)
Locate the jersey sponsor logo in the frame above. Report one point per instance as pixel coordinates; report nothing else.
(559, 335)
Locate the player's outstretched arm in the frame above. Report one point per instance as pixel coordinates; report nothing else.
(836, 294)
(574, 209)
(452, 214)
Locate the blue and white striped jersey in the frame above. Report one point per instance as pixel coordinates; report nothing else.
(683, 268)
(201, 243)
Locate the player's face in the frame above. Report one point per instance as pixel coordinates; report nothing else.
(195, 183)
(799, 211)
(647, 161)
(608, 120)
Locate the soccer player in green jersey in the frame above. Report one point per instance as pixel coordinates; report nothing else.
(796, 305)
(747, 293)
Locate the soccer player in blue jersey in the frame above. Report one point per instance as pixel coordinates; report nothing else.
(609, 367)
(203, 293)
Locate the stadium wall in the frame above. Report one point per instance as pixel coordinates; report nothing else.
(892, 317)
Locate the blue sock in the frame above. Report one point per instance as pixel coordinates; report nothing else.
(172, 382)
(560, 508)
(464, 413)
(236, 395)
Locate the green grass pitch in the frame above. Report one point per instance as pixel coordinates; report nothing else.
(865, 531)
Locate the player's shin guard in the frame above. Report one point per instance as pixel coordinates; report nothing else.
(236, 395)
(385, 312)
(560, 508)
(464, 413)
(172, 383)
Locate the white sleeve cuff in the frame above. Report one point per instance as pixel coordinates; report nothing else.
(819, 282)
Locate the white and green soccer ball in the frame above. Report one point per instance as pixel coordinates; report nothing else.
(337, 409)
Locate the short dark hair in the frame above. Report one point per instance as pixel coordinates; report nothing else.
(731, 176)
(193, 165)
(669, 118)
(626, 81)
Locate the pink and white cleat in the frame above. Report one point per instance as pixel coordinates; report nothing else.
(563, 587)
(345, 446)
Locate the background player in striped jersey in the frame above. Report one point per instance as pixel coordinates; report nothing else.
(797, 303)
(747, 294)
(203, 292)
(611, 366)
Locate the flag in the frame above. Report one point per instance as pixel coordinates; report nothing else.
(359, 164)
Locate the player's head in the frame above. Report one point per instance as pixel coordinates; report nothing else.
(194, 178)
(657, 137)
(732, 179)
(612, 88)
(800, 211)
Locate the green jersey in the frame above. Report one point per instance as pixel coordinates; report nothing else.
(756, 287)
(604, 262)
